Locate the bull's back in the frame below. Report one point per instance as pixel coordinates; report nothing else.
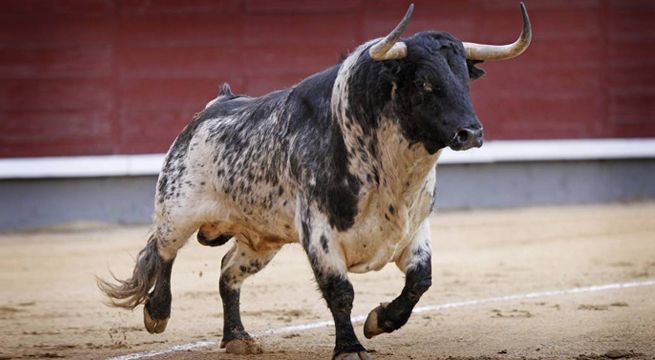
(226, 170)
(231, 163)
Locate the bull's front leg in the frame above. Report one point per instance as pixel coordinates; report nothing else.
(331, 276)
(415, 261)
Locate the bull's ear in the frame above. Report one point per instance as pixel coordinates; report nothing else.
(474, 72)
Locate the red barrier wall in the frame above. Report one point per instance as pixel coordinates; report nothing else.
(84, 77)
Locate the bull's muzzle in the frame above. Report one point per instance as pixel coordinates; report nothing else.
(467, 138)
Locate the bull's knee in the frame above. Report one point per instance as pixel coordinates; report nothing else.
(419, 288)
(340, 295)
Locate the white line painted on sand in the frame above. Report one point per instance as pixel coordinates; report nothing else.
(172, 349)
(418, 310)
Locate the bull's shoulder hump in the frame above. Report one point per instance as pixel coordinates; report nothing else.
(223, 106)
(318, 84)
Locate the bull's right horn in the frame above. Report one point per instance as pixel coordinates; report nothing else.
(502, 52)
(390, 48)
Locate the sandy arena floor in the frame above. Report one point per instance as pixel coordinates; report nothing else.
(50, 307)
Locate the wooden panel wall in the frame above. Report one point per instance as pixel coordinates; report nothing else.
(82, 77)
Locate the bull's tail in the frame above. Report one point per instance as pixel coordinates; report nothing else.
(132, 292)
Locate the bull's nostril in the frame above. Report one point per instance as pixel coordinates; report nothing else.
(463, 136)
(466, 138)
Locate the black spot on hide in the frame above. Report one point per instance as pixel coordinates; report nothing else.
(324, 244)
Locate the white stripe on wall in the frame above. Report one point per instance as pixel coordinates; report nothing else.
(554, 150)
(491, 152)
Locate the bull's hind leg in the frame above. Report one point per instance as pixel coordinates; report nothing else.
(415, 261)
(151, 272)
(157, 308)
(178, 214)
(239, 263)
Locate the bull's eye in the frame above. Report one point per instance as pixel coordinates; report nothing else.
(423, 85)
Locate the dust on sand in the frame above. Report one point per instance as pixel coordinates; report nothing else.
(50, 307)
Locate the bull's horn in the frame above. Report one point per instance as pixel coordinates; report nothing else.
(502, 52)
(390, 48)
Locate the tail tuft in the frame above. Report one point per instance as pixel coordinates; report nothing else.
(132, 292)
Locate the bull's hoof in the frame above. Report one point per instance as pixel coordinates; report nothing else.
(153, 326)
(372, 325)
(362, 355)
(242, 346)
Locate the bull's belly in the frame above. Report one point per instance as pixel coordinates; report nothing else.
(374, 244)
(373, 259)
(262, 229)
(258, 237)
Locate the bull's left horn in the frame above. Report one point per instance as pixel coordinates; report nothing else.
(502, 52)
(390, 48)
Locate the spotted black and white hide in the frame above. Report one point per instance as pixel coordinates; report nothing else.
(342, 162)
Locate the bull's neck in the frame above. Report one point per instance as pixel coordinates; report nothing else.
(378, 153)
(388, 162)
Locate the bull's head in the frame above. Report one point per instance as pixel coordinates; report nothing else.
(431, 73)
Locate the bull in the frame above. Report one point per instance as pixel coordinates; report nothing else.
(342, 162)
